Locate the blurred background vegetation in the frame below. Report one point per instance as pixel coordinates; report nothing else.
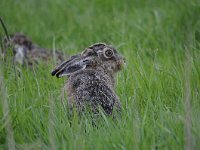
(158, 38)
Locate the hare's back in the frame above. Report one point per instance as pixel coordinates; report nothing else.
(94, 89)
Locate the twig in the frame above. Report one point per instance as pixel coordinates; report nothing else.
(5, 29)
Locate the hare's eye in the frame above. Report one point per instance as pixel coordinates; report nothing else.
(108, 53)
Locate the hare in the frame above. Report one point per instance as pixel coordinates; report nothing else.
(91, 78)
(25, 51)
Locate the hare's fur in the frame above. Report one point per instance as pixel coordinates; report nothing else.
(27, 52)
(91, 78)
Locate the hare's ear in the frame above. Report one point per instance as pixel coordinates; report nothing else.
(61, 66)
(70, 66)
(70, 69)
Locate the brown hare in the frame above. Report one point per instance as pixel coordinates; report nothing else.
(91, 78)
(26, 52)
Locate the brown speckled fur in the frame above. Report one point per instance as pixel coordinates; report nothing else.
(93, 84)
(32, 53)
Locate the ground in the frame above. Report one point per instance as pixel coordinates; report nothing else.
(159, 88)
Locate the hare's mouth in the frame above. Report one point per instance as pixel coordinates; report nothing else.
(121, 64)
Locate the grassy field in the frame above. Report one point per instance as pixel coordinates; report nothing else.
(159, 89)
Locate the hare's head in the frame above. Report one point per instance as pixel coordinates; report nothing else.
(97, 56)
(21, 40)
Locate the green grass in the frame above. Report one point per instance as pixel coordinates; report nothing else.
(161, 43)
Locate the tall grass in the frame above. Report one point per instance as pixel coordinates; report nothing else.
(159, 91)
